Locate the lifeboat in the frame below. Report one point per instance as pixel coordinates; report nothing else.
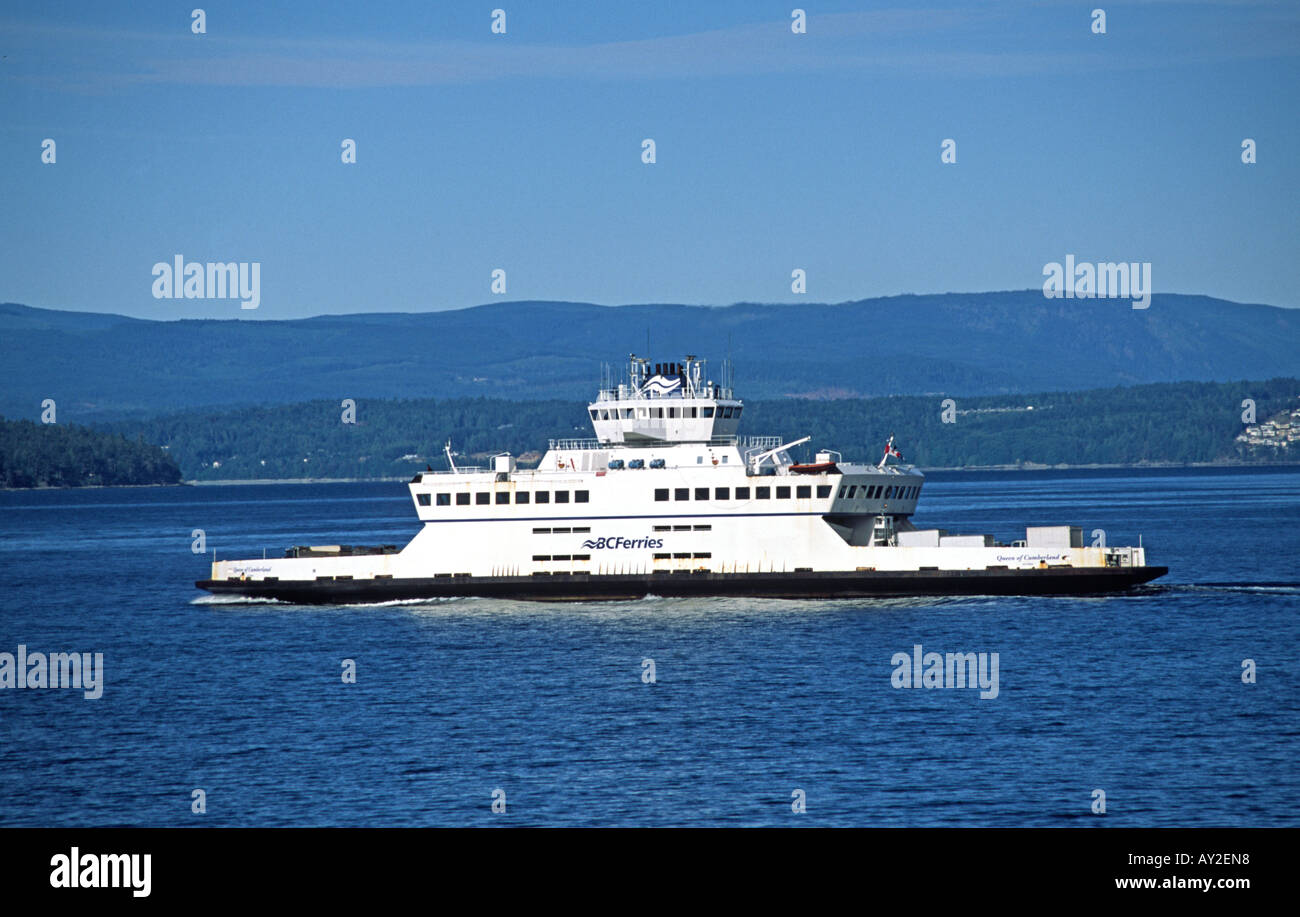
(815, 468)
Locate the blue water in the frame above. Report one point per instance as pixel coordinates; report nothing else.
(1139, 695)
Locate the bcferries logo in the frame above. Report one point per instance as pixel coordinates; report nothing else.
(619, 542)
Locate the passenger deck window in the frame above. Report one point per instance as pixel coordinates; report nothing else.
(521, 496)
(661, 494)
(783, 493)
(444, 499)
(722, 493)
(503, 496)
(462, 499)
(823, 490)
(701, 493)
(804, 491)
(542, 496)
(681, 493)
(742, 493)
(581, 496)
(422, 499)
(482, 498)
(561, 496)
(762, 493)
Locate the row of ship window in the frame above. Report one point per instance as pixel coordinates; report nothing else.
(586, 529)
(724, 412)
(680, 555)
(801, 492)
(484, 498)
(889, 492)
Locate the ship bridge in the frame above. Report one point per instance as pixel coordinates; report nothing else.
(663, 403)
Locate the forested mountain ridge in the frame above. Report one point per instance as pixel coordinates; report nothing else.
(97, 367)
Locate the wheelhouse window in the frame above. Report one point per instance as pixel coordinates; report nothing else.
(708, 412)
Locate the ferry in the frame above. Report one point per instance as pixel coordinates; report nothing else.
(669, 500)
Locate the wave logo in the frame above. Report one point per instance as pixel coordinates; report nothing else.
(661, 385)
(619, 542)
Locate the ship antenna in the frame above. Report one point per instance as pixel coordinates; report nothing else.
(450, 460)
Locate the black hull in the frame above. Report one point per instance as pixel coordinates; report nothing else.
(566, 587)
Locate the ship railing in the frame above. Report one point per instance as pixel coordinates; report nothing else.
(460, 469)
(752, 443)
(577, 445)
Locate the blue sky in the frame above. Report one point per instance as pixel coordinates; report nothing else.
(522, 151)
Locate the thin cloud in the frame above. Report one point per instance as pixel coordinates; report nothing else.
(977, 42)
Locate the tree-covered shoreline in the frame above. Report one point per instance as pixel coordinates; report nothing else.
(1167, 423)
(36, 455)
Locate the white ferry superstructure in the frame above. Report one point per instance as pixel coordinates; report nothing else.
(669, 500)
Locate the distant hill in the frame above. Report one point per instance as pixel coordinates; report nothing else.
(98, 366)
(54, 455)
